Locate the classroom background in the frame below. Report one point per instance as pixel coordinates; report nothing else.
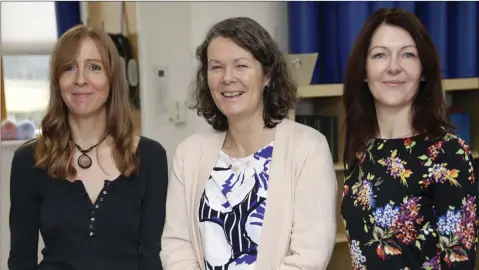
(158, 40)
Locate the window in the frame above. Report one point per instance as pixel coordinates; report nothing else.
(28, 34)
(26, 86)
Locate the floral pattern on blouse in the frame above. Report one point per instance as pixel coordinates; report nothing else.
(412, 204)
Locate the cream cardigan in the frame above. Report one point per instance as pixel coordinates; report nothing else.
(299, 228)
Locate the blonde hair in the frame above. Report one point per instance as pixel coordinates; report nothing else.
(54, 149)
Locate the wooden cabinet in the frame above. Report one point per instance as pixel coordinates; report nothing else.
(327, 100)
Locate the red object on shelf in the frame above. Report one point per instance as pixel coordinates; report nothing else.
(9, 131)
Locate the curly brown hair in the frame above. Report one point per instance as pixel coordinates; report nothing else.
(54, 149)
(281, 94)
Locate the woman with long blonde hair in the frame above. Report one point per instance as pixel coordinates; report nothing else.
(94, 190)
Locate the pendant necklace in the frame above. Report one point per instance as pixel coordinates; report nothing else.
(84, 161)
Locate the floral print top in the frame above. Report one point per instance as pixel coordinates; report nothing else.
(411, 204)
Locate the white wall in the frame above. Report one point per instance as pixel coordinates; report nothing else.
(168, 34)
(6, 160)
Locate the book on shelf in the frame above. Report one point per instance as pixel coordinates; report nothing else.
(461, 121)
(327, 125)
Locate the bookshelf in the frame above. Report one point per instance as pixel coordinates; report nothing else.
(327, 100)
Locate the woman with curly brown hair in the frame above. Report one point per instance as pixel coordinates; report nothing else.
(94, 190)
(258, 191)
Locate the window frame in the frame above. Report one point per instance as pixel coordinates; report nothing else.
(3, 107)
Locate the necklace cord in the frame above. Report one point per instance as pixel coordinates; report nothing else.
(84, 160)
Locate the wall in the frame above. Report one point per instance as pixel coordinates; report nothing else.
(6, 153)
(3, 108)
(167, 34)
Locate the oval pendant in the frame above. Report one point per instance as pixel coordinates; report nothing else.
(84, 161)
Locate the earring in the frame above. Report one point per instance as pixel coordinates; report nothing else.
(423, 79)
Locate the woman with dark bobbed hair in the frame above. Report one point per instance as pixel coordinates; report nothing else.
(410, 196)
(259, 190)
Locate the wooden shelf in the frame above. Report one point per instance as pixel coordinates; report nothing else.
(321, 90)
(338, 166)
(341, 238)
(461, 84)
(336, 90)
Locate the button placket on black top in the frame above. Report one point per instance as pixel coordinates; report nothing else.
(97, 206)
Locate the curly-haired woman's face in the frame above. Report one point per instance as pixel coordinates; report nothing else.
(84, 85)
(393, 67)
(236, 79)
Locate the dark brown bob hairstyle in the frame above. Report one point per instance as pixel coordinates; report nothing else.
(54, 149)
(429, 109)
(278, 98)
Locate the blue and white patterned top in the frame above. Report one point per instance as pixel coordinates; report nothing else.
(232, 208)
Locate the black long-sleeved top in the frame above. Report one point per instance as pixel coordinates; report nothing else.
(120, 231)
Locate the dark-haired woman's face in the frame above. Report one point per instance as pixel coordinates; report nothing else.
(393, 67)
(236, 79)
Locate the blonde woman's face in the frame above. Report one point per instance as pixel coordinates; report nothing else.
(84, 85)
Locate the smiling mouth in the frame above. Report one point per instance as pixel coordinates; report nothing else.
(81, 94)
(232, 94)
(394, 83)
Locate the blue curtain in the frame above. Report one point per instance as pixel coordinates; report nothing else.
(330, 28)
(67, 15)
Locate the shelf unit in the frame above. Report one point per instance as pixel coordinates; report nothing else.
(107, 15)
(327, 100)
